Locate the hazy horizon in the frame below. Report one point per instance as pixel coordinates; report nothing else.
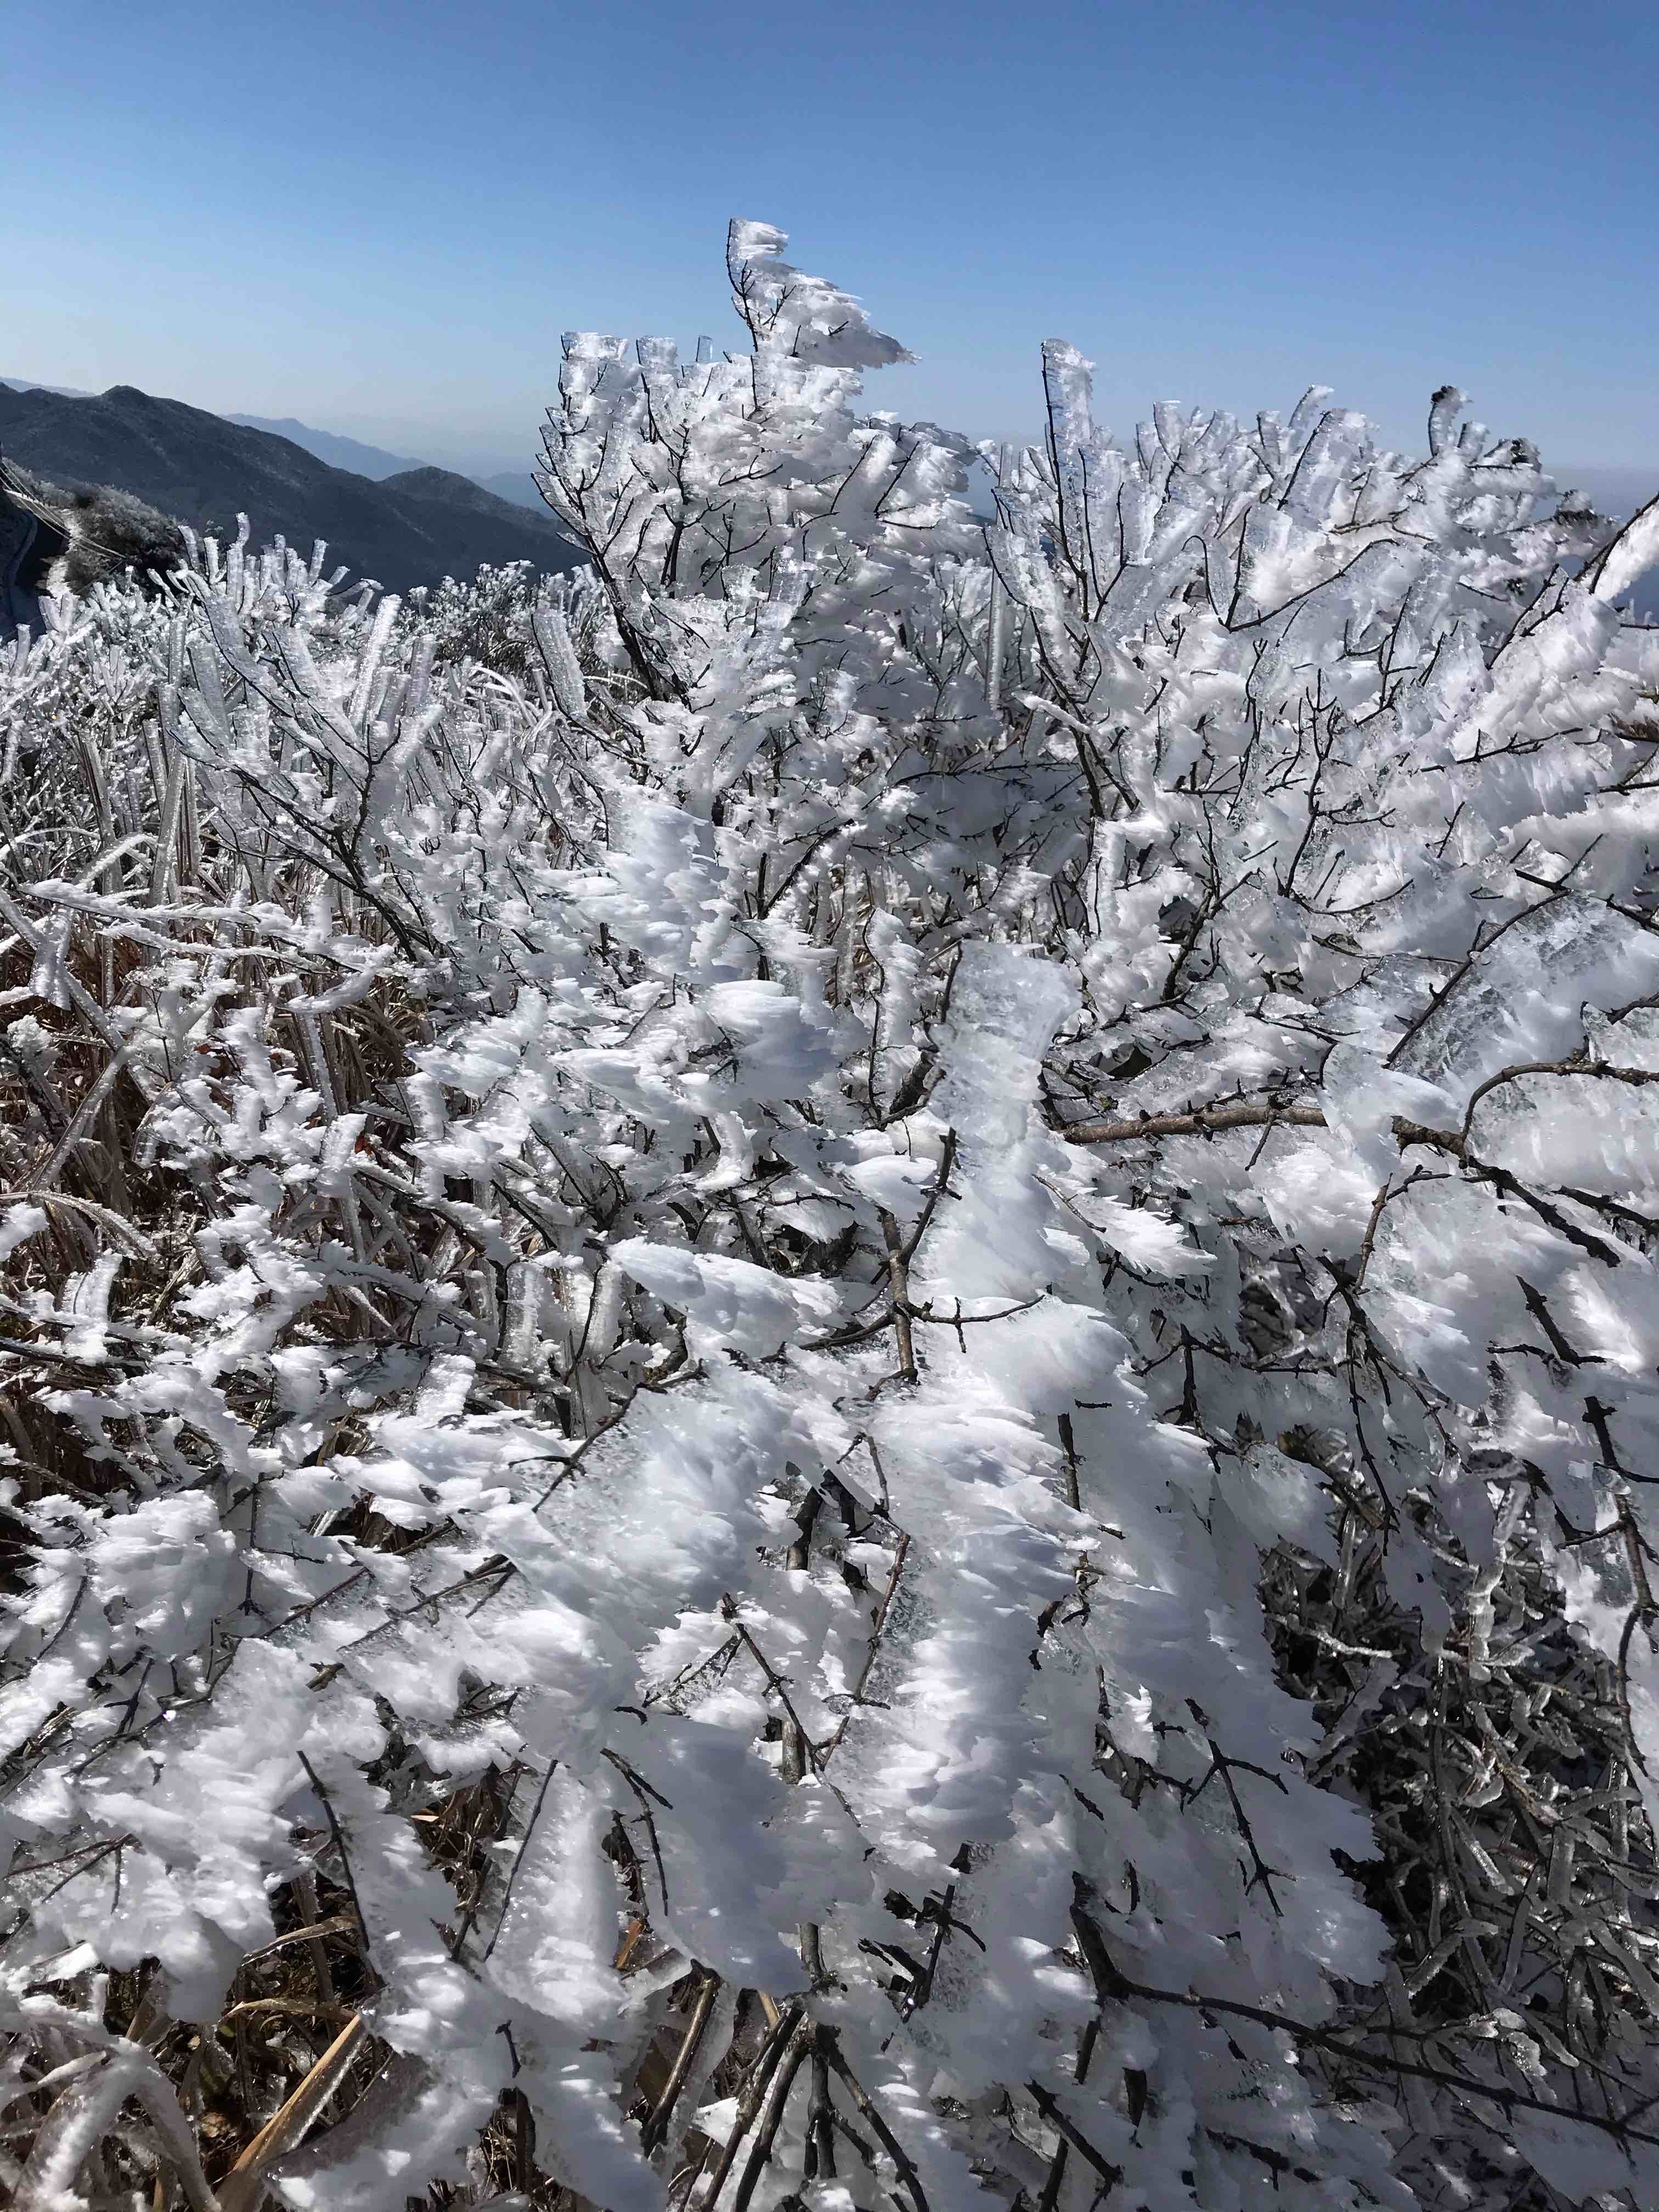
(1621, 486)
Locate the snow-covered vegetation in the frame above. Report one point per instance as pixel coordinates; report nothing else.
(827, 1364)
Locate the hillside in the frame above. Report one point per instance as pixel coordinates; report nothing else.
(514, 485)
(340, 452)
(414, 528)
(331, 446)
(64, 391)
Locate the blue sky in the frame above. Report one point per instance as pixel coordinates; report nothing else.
(380, 217)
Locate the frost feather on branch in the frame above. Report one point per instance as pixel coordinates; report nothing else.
(828, 1365)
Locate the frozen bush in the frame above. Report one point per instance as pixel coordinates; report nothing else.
(829, 1371)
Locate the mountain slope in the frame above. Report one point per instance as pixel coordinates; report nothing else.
(414, 528)
(64, 391)
(331, 446)
(514, 485)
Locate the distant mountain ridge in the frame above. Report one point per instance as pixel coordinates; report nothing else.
(64, 391)
(339, 452)
(403, 537)
(514, 485)
(413, 526)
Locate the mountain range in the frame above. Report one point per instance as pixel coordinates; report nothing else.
(373, 462)
(385, 514)
(412, 524)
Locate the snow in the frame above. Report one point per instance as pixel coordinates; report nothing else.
(572, 1385)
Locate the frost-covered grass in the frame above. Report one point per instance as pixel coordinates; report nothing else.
(828, 1365)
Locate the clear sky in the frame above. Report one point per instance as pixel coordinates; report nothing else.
(378, 214)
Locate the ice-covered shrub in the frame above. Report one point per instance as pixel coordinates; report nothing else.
(846, 1398)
